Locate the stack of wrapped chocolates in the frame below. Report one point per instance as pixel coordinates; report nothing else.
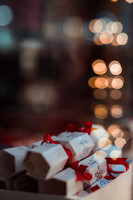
(68, 164)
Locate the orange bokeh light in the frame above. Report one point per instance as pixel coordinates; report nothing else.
(100, 94)
(99, 67)
(101, 111)
(106, 37)
(116, 111)
(91, 82)
(116, 94)
(101, 82)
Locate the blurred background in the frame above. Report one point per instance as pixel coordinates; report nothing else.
(64, 62)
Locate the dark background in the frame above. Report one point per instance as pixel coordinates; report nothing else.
(44, 72)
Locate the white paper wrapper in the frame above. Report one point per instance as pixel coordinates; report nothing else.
(11, 160)
(45, 161)
(97, 167)
(63, 183)
(79, 143)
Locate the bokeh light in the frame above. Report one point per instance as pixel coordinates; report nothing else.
(101, 153)
(116, 94)
(117, 82)
(91, 82)
(6, 15)
(97, 40)
(104, 143)
(115, 67)
(100, 94)
(122, 39)
(101, 82)
(91, 25)
(106, 37)
(99, 25)
(101, 111)
(73, 27)
(112, 127)
(129, 1)
(116, 27)
(116, 111)
(120, 142)
(99, 67)
(115, 154)
(117, 133)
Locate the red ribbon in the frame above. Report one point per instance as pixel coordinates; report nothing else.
(80, 171)
(118, 161)
(96, 187)
(47, 138)
(87, 128)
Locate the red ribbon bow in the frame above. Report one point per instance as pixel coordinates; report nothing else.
(80, 171)
(47, 138)
(87, 128)
(118, 161)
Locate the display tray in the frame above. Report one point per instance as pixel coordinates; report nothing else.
(119, 189)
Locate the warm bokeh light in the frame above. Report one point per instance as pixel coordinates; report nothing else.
(129, 1)
(116, 94)
(116, 27)
(99, 25)
(112, 127)
(120, 142)
(101, 153)
(115, 154)
(122, 39)
(73, 27)
(99, 67)
(91, 82)
(115, 67)
(101, 82)
(101, 111)
(104, 143)
(91, 25)
(108, 26)
(114, 42)
(97, 40)
(117, 133)
(100, 94)
(117, 82)
(116, 111)
(106, 37)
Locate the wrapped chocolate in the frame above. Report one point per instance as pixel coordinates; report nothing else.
(45, 161)
(63, 183)
(97, 167)
(79, 143)
(23, 182)
(11, 160)
(95, 131)
(5, 183)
